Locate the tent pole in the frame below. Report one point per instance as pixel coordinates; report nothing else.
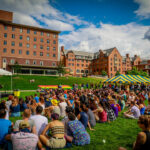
(11, 83)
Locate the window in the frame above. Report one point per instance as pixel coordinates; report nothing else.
(4, 50)
(86, 61)
(27, 52)
(54, 48)
(72, 59)
(41, 46)
(72, 64)
(20, 37)
(34, 62)
(41, 53)
(42, 33)
(12, 51)
(82, 71)
(21, 30)
(47, 55)
(12, 61)
(82, 65)
(12, 43)
(47, 47)
(20, 51)
(34, 53)
(35, 39)
(27, 62)
(5, 35)
(28, 31)
(53, 64)
(54, 35)
(41, 63)
(5, 27)
(20, 44)
(54, 42)
(35, 32)
(48, 34)
(41, 40)
(77, 71)
(34, 45)
(54, 55)
(28, 38)
(13, 28)
(13, 36)
(28, 45)
(78, 65)
(4, 60)
(47, 41)
(69, 59)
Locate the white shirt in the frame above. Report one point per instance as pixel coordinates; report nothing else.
(40, 123)
(63, 106)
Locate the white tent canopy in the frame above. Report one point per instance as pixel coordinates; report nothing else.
(4, 72)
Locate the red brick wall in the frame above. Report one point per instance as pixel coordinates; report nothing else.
(24, 42)
(6, 16)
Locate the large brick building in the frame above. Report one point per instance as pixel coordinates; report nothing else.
(77, 62)
(128, 62)
(34, 49)
(81, 63)
(144, 65)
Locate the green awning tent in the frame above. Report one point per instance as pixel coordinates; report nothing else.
(127, 79)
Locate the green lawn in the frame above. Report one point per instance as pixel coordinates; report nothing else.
(22, 82)
(121, 132)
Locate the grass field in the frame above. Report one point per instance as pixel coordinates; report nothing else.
(121, 132)
(22, 82)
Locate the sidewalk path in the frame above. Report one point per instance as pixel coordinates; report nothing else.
(20, 91)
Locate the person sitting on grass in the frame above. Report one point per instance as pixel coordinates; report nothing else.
(56, 140)
(24, 139)
(133, 113)
(26, 115)
(143, 138)
(83, 117)
(15, 108)
(76, 132)
(39, 120)
(5, 126)
(91, 117)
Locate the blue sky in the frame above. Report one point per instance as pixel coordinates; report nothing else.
(89, 25)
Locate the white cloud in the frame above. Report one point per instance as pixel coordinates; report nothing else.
(127, 38)
(31, 11)
(144, 8)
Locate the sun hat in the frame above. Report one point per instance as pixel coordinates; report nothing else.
(24, 124)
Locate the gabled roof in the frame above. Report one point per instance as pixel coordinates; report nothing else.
(107, 52)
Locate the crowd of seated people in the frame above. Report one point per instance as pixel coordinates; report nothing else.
(58, 118)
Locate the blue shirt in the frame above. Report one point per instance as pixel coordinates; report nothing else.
(37, 99)
(15, 109)
(84, 118)
(4, 129)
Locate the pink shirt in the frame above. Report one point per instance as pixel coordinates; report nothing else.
(103, 116)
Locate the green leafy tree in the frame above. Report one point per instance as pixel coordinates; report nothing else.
(117, 73)
(104, 73)
(60, 68)
(135, 71)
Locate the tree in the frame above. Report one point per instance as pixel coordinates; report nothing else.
(135, 71)
(104, 73)
(60, 68)
(17, 67)
(117, 73)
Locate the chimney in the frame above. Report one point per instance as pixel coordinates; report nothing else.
(127, 55)
(62, 48)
